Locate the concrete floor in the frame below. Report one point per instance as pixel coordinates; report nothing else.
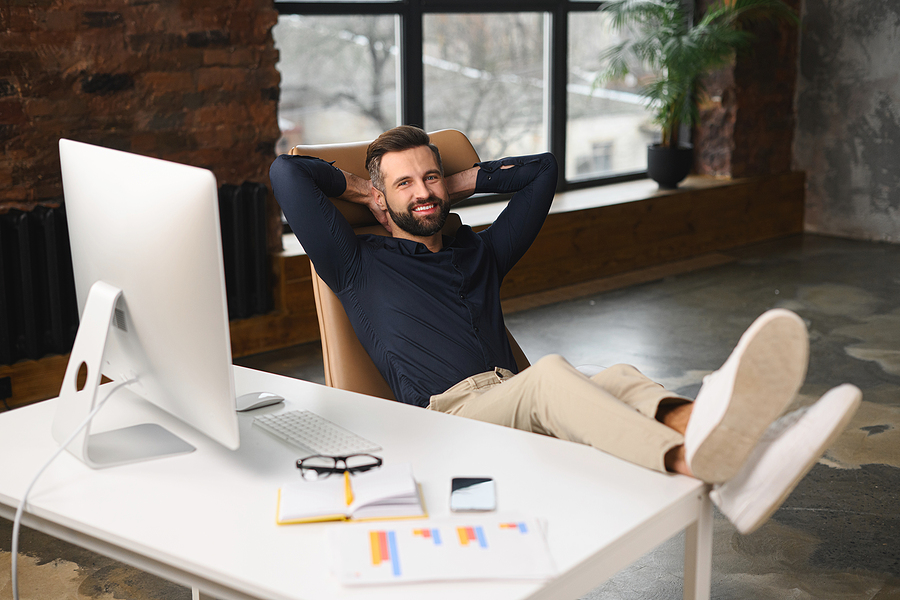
(836, 537)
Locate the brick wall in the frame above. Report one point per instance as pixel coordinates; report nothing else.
(747, 121)
(192, 81)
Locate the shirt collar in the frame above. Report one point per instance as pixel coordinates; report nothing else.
(411, 247)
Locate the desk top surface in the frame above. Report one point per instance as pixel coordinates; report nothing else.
(211, 513)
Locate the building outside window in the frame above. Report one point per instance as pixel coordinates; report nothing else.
(608, 128)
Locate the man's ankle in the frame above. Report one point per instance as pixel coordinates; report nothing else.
(675, 414)
(675, 461)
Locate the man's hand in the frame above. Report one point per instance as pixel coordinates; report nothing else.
(361, 191)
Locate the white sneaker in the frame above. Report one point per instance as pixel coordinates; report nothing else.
(787, 451)
(739, 401)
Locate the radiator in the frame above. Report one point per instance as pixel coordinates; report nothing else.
(38, 308)
(38, 311)
(242, 213)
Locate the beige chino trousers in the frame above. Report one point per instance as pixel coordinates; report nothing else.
(614, 411)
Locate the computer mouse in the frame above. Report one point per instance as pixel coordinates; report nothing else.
(255, 400)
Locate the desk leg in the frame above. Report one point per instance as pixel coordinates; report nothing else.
(698, 553)
(198, 595)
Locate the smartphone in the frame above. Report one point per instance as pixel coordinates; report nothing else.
(472, 494)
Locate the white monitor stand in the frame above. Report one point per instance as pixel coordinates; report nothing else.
(110, 448)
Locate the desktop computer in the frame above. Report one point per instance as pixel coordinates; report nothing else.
(149, 277)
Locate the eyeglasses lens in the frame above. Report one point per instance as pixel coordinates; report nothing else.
(319, 467)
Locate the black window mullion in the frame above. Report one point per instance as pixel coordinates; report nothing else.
(412, 70)
(558, 109)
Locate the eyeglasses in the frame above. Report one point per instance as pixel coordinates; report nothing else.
(321, 466)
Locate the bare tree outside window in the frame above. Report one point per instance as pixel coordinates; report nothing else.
(338, 78)
(485, 75)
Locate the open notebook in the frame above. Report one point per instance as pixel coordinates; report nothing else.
(389, 492)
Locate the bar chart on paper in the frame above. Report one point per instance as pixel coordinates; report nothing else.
(434, 550)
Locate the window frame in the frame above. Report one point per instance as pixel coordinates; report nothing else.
(412, 72)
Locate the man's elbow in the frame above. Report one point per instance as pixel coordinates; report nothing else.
(280, 167)
(289, 169)
(549, 165)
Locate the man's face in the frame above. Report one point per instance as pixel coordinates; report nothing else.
(414, 192)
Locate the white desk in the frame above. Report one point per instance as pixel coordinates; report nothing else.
(207, 519)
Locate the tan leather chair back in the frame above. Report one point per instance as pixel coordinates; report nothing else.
(347, 365)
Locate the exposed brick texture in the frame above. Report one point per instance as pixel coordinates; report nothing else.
(192, 81)
(747, 122)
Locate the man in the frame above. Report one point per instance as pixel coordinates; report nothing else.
(426, 307)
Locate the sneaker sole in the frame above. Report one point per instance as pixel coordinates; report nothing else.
(838, 428)
(766, 381)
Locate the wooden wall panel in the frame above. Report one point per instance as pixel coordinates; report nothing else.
(589, 244)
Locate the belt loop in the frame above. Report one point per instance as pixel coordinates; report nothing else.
(502, 374)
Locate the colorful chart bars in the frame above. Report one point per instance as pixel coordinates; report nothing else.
(384, 549)
(522, 527)
(432, 534)
(471, 534)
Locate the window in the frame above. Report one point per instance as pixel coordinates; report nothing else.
(515, 76)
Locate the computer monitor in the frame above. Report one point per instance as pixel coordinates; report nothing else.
(147, 256)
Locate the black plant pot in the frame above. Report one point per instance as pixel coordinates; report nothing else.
(669, 166)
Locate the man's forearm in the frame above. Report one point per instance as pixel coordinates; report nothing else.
(359, 190)
(461, 185)
(511, 174)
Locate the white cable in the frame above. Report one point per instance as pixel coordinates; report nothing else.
(20, 511)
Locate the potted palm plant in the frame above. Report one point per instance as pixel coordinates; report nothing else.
(663, 39)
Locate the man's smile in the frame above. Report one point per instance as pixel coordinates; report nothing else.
(425, 207)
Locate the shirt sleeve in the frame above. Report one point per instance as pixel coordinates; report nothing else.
(303, 186)
(532, 180)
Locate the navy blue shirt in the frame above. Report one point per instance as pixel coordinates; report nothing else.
(428, 320)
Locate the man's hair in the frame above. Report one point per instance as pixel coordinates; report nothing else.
(398, 139)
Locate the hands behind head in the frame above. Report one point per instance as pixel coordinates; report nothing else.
(361, 191)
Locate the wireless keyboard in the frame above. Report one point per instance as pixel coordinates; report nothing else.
(313, 434)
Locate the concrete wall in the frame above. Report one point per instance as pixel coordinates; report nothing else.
(848, 117)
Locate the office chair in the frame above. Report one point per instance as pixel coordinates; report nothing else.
(347, 365)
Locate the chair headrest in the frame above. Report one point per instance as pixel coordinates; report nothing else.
(457, 153)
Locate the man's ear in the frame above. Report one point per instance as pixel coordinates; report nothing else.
(379, 198)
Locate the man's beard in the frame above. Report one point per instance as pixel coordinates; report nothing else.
(421, 226)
